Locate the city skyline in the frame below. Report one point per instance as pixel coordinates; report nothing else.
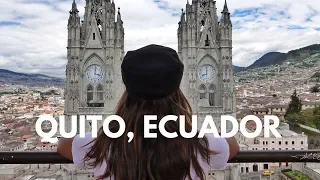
(34, 32)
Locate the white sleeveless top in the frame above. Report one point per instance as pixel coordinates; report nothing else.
(218, 161)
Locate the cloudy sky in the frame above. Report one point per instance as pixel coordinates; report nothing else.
(33, 33)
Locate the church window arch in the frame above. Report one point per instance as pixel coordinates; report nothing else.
(212, 94)
(212, 87)
(207, 42)
(255, 168)
(100, 92)
(99, 24)
(202, 23)
(89, 93)
(203, 92)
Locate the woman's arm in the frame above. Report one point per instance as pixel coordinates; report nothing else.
(233, 147)
(65, 148)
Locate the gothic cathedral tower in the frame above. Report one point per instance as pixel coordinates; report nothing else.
(95, 51)
(205, 47)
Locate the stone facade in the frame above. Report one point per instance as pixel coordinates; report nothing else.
(95, 52)
(205, 47)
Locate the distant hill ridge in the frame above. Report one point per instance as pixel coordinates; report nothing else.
(10, 77)
(267, 60)
(273, 58)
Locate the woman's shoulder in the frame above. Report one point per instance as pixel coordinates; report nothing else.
(86, 139)
(220, 147)
(217, 144)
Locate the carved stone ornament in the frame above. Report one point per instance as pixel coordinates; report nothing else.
(78, 69)
(204, 3)
(97, 2)
(74, 94)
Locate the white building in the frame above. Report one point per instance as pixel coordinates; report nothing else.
(289, 141)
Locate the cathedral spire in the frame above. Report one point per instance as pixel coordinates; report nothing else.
(119, 16)
(188, 2)
(225, 8)
(74, 6)
(182, 16)
(225, 18)
(74, 18)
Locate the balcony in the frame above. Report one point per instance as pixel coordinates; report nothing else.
(205, 110)
(242, 157)
(91, 111)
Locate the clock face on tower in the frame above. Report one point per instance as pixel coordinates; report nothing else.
(207, 73)
(95, 73)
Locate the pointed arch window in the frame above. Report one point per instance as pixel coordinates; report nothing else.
(90, 93)
(202, 89)
(212, 94)
(255, 168)
(99, 24)
(207, 42)
(100, 93)
(202, 25)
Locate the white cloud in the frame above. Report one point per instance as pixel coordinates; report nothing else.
(38, 44)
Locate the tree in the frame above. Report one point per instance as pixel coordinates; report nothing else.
(295, 105)
(315, 89)
(316, 75)
(294, 118)
(316, 119)
(294, 108)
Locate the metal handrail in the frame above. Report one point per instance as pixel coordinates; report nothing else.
(242, 157)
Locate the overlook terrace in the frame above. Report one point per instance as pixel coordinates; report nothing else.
(242, 157)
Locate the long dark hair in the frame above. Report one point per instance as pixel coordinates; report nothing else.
(150, 159)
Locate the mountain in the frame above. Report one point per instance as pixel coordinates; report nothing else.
(10, 77)
(292, 57)
(238, 68)
(267, 60)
